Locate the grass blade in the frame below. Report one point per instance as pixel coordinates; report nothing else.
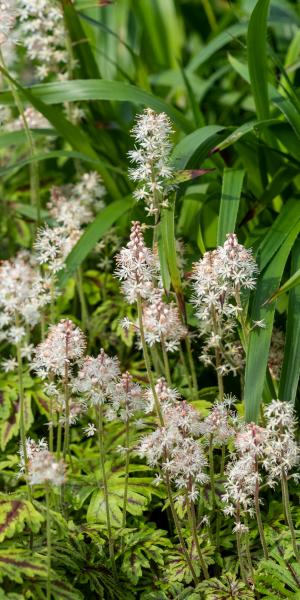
(94, 89)
(291, 361)
(257, 57)
(196, 145)
(260, 339)
(230, 200)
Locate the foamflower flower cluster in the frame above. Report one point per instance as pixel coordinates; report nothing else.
(8, 15)
(23, 294)
(218, 280)
(151, 157)
(71, 206)
(42, 466)
(136, 266)
(97, 377)
(162, 322)
(262, 454)
(174, 449)
(63, 347)
(282, 453)
(41, 30)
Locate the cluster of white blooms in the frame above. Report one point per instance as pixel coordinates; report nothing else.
(166, 396)
(34, 120)
(151, 156)
(136, 266)
(63, 347)
(23, 293)
(162, 322)
(173, 447)
(32, 448)
(282, 452)
(41, 30)
(220, 425)
(52, 245)
(8, 15)
(242, 474)
(97, 378)
(219, 277)
(44, 469)
(127, 399)
(72, 206)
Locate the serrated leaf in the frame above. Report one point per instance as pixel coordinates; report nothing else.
(17, 564)
(15, 515)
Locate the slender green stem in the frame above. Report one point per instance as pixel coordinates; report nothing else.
(258, 515)
(147, 361)
(239, 546)
(179, 530)
(84, 310)
(191, 511)
(287, 512)
(127, 456)
(51, 425)
(105, 488)
(192, 365)
(58, 441)
(222, 467)
(166, 361)
(210, 15)
(212, 471)
(48, 543)
(186, 371)
(161, 420)
(22, 413)
(67, 405)
(218, 521)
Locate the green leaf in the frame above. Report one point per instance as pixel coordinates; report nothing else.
(221, 40)
(196, 145)
(93, 89)
(11, 426)
(16, 564)
(291, 362)
(169, 248)
(49, 156)
(260, 339)
(283, 104)
(257, 57)
(93, 233)
(15, 515)
(73, 134)
(80, 43)
(230, 199)
(17, 138)
(278, 234)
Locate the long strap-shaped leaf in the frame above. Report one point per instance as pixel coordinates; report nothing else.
(196, 145)
(74, 135)
(284, 104)
(260, 339)
(93, 233)
(94, 89)
(230, 199)
(257, 57)
(291, 362)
